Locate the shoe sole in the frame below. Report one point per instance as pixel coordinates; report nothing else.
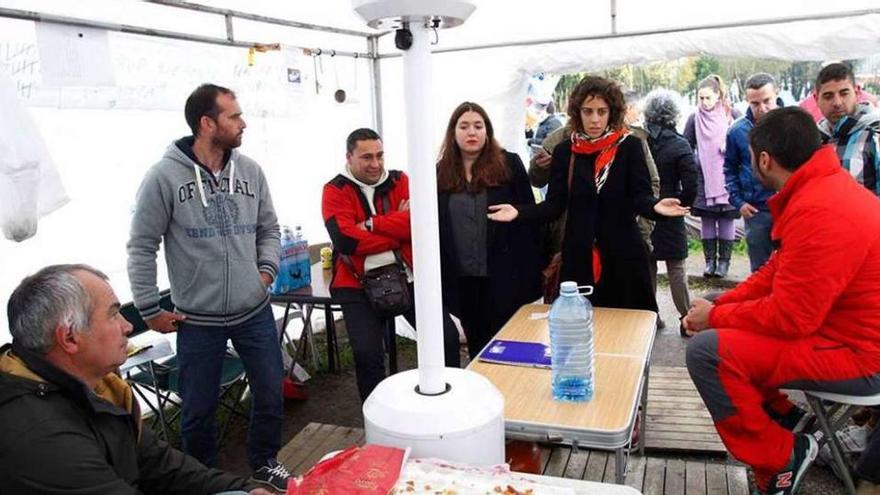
(270, 485)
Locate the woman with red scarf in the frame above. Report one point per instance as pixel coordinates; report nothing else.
(599, 179)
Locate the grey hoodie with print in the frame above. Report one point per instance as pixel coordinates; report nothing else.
(217, 238)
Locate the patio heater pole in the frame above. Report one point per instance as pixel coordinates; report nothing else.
(417, 74)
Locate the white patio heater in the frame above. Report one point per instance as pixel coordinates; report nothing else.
(441, 412)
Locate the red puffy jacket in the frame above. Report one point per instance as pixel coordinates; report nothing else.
(344, 206)
(824, 278)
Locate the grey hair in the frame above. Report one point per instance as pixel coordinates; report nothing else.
(662, 107)
(53, 296)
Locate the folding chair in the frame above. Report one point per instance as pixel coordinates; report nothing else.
(157, 383)
(829, 425)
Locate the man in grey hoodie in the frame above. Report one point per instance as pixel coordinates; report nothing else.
(210, 206)
(852, 127)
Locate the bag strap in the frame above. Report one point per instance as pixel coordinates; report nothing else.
(386, 207)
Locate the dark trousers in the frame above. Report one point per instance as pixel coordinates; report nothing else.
(476, 313)
(200, 352)
(868, 467)
(366, 334)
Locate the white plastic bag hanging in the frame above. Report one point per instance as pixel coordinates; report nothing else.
(29, 184)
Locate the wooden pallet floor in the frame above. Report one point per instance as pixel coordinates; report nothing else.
(677, 418)
(650, 475)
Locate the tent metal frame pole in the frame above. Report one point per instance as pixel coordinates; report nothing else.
(259, 18)
(375, 82)
(724, 25)
(26, 15)
(613, 16)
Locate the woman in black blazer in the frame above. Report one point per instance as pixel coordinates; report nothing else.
(489, 269)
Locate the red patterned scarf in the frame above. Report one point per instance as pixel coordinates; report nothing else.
(606, 145)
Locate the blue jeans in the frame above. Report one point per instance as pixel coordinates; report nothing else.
(200, 352)
(758, 239)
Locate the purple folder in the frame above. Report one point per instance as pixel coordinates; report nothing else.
(533, 354)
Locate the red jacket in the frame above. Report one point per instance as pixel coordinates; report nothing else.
(824, 278)
(344, 206)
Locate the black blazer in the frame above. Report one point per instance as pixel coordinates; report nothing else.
(513, 258)
(607, 217)
(678, 179)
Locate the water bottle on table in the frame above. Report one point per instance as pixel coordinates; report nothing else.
(571, 345)
(300, 270)
(281, 285)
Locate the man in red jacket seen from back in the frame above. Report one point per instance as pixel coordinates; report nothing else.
(809, 319)
(366, 212)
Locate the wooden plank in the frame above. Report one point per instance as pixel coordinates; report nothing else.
(716, 479)
(546, 450)
(596, 466)
(737, 481)
(685, 445)
(660, 419)
(610, 475)
(576, 464)
(695, 477)
(674, 484)
(681, 435)
(672, 397)
(295, 450)
(655, 472)
(558, 460)
(322, 446)
(680, 428)
(671, 404)
(635, 472)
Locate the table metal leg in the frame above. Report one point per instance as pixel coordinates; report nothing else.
(619, 466)
(307, 339)
(331, 338)
(160, 406)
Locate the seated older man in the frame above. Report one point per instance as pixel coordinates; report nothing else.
(69, 423)
(808, 319)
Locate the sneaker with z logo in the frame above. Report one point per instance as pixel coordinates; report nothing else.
(786, 481)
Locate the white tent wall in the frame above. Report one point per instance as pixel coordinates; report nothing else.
(498, 77)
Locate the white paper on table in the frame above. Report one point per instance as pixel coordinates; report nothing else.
(74, 56)
(539, 316)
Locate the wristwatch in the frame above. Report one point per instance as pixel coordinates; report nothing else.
(369, 224)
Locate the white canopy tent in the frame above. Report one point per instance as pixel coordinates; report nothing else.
(103, 136)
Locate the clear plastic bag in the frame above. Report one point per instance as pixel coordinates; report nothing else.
(29, 184)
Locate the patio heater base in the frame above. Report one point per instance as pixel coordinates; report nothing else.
(465, 424)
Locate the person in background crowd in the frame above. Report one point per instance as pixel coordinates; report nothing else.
(366, 212)
(745, 191)
(600, 180)
(706, 131)
(675, 163)
(490, 269)
(852, 127)
(70, 423)
(807, 320)
(550, 123)
(210, 206)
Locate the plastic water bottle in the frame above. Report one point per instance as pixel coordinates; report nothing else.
(282, 285)
(301, 269)
(571, 345)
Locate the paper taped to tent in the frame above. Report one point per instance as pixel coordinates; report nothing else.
(92, 92)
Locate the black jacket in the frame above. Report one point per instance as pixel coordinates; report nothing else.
(58, 436)
(513, 258)
(608, 218)
(678, 179)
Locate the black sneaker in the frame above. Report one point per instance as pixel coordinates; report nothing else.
(273, 474)
(785, 482)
